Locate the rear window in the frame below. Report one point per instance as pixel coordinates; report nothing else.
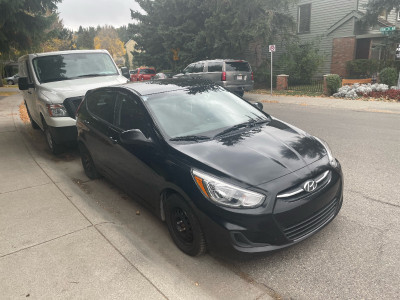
(215, 67)
(147, 71)
(237, 66)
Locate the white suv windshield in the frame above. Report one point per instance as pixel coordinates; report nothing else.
(72, 66)
(205, 112)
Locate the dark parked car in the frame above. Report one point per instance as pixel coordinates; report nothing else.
(217, 169)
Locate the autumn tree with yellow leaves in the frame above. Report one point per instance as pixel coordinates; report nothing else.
(107, 38)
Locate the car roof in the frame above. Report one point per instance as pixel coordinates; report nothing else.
(222, 60)
(161, 86)
(68, 52)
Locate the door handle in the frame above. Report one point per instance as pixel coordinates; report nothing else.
(113, 140)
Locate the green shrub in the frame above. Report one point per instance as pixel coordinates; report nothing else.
(359, 68)
(389, 76)
(262, 76)
(333, 83)
(301, 60)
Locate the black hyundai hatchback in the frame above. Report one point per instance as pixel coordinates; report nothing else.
(219, 170)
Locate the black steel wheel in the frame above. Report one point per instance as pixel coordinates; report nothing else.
(184, 227)
(10, 82)
(87, 163)
(33, 123)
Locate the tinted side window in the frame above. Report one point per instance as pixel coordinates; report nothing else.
(131, 114)
(102, 104)
(189, 68)
(237, 66)
(215, 67)
(198, 67)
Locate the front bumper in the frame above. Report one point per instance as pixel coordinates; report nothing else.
(287, 223)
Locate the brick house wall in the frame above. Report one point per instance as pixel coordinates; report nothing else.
(342, 51)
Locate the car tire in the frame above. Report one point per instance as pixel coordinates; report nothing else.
(33, 123)
(53, 146)
(184, 226)
(87, 163)
(10, 82)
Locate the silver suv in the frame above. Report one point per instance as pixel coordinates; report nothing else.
(234, 75)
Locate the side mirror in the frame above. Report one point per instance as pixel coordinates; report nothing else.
(133, 136)
(23, 84)
(259, 105)
(125, 72)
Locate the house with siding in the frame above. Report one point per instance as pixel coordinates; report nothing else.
(342, 38)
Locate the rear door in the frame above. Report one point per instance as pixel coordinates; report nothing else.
(238, 72)
(214, 71)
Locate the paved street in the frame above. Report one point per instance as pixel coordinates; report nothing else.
(62, 235)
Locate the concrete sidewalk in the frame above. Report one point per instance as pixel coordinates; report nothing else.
(48, 247)
(58, 238)
(328, 102)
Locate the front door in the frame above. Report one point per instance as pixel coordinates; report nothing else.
(137, 163)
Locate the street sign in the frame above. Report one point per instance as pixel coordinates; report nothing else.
(387, 29)
(175, 52)
(272, 48)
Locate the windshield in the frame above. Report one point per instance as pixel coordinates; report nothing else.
(72, 66)
(207, 113)
(147, 71)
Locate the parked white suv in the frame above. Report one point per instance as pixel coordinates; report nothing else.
(54, 83)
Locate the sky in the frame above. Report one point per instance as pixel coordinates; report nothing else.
(96, 12)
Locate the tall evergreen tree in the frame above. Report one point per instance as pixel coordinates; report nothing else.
(23, 22)
(375, 8)
(202, 29)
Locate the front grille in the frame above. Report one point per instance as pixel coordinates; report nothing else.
(297, 192)
(71, 105)
(313, 223)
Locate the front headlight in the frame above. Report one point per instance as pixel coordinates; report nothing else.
(332, 159)
(57, 110)
(226, 194)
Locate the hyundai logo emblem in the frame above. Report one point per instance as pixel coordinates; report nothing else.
(310, 186)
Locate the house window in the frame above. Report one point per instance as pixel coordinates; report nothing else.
(383, 14)
(304, 18)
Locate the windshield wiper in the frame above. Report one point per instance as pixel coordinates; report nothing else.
(261, 121)
(233, 128)
(190, 138)
(247, 124)
(91, 75)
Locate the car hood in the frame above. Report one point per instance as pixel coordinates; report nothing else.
(258, 155)
(57, 92)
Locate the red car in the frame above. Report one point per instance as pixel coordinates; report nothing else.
(142, 73)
